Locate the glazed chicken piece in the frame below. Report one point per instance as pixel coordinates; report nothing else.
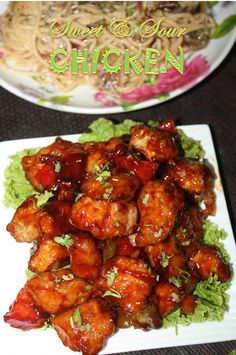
(188, 304)
(100, 153)
(55, 291)
(169, 262)
(24, 314)
(32, 164)
(147, 318)
(126, 283)
(85, 328)
(104, 219)
(166, 297)
(85, 258)
(208, 260)
(48, 255)
(24, 226)
(157, 145)
(160, 255)
(158, 203)
(124, 247)
(115, 188)
(197, 179)
(53, 165)
(56, 219)
(189, 226)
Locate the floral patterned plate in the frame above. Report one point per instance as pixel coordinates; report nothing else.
(84, 99)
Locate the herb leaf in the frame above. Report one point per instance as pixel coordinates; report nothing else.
(29, 274)
(145, 199)
(77, 320)
(46, 326)
(225, 27)
(77, 317)
(43, 198)
(112, 293)
(111, 276)
(64, 240)
(164, 259)
(57, 167)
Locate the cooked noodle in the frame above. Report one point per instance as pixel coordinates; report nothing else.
(24, 36)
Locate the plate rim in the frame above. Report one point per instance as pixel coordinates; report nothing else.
(119, 109)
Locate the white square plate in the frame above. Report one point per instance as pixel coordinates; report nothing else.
(14, 257)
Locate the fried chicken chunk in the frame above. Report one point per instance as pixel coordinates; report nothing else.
(117, 188)
(126, 283)
(158, 203)
(166, 297)
(85, 328)
(33, 164)
(104, 219)
(155, 144)
(209, 260)
(24, 226)
(24, 314)
(56, 219)
(99, 153)
(48, 255)
(189, 226)
(197, 179)
(166, 257)
(53, 292)
(59, 167)
(85, 258)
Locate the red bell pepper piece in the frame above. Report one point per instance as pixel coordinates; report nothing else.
(23, 313)
(168, 126)
(46, 176)
(145, 170)
(124, 247)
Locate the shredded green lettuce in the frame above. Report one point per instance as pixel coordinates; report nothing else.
(17, 187)
(102, 130)
(212, 303)
(192, 148)
(212, 235)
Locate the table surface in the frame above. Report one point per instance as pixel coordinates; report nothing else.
(212, 102)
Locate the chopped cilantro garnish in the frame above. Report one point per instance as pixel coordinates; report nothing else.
(78, 197)
(111, 276)
(67, 277)
(77, 320)
(112, 293)
(43, 198)
(88, 287)
(64, 240)
(145, 199)
(77, 317)
(176, 281)
(57, 167)
(175, 297)
(164, 259)
(65, 267)
(29, 274)
(102, 172)
(46, 326)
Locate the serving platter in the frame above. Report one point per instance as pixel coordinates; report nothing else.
(85, 99)
(14, 256)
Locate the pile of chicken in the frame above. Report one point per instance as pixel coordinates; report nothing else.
(118, 242)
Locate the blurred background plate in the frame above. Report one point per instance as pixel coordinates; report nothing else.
(85, 99)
